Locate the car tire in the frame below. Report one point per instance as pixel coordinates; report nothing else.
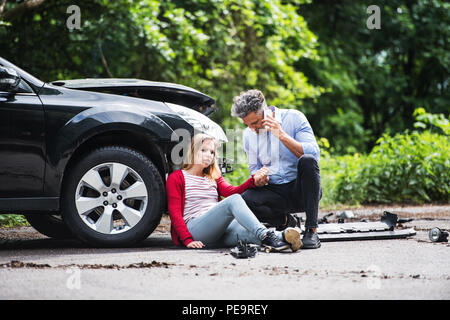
(126, 192)
(50, 225)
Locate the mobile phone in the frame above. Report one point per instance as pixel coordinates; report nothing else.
(270, 110)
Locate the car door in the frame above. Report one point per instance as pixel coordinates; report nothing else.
(22, 149)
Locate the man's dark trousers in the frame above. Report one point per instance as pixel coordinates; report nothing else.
(271, 203)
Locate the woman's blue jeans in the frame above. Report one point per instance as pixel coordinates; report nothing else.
(226, 223)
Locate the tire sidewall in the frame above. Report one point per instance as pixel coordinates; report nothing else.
(153, 182)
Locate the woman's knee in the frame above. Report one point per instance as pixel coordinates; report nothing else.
(235, 199)
(232, 201)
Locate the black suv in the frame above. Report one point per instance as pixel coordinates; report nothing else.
(94, 152)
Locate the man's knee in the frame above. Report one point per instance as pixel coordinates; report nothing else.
(250, 197)
(307, 162)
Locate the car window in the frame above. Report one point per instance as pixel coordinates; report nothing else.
(24, 87)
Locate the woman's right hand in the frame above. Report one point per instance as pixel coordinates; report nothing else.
(261, 176)
(195, 245)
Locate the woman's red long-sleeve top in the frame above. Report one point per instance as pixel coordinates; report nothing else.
(176, 195)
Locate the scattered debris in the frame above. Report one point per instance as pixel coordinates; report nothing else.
(153, 264)
(325, 218)
(20, 264)
(438, 235)
(347, 214)
(139, 265)
(384, 229)
(243, 250)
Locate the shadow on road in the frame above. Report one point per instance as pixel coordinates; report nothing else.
(158, 242)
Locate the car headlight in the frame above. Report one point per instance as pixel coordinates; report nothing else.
(199, 121)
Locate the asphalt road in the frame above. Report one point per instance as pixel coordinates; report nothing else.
(35, 267)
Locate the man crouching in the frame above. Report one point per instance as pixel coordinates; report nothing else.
(283, 141)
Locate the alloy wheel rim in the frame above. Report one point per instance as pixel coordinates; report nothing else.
(111, 198)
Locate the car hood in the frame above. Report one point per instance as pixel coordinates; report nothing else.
(144, 89)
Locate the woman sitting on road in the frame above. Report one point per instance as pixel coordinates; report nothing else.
(199, 218)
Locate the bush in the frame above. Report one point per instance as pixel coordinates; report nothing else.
(240, 174)
(12, 220)
(412, 167)
(404, 168)
(335, 173)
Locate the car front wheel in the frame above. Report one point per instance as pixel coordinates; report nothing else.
(113, 197)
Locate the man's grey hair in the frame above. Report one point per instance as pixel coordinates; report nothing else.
(247, 102)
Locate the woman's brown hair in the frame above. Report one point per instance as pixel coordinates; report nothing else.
(212, 171)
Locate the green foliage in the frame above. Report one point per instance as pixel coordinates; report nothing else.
(374, 79)
(431, 121)
(404, 168)
(239, 175)
(411, 167)
(218, 47)
(12, 220)
(337, 174)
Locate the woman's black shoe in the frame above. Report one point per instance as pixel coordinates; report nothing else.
(271, 240)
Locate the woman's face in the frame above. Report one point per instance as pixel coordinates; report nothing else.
(205, 155)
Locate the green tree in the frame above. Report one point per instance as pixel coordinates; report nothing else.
(375, 78)
(219, 47)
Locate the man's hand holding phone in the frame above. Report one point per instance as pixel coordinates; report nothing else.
(271, 124)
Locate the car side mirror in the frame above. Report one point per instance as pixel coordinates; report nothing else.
(9, 79)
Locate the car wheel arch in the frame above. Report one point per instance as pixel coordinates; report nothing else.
(141, 142)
